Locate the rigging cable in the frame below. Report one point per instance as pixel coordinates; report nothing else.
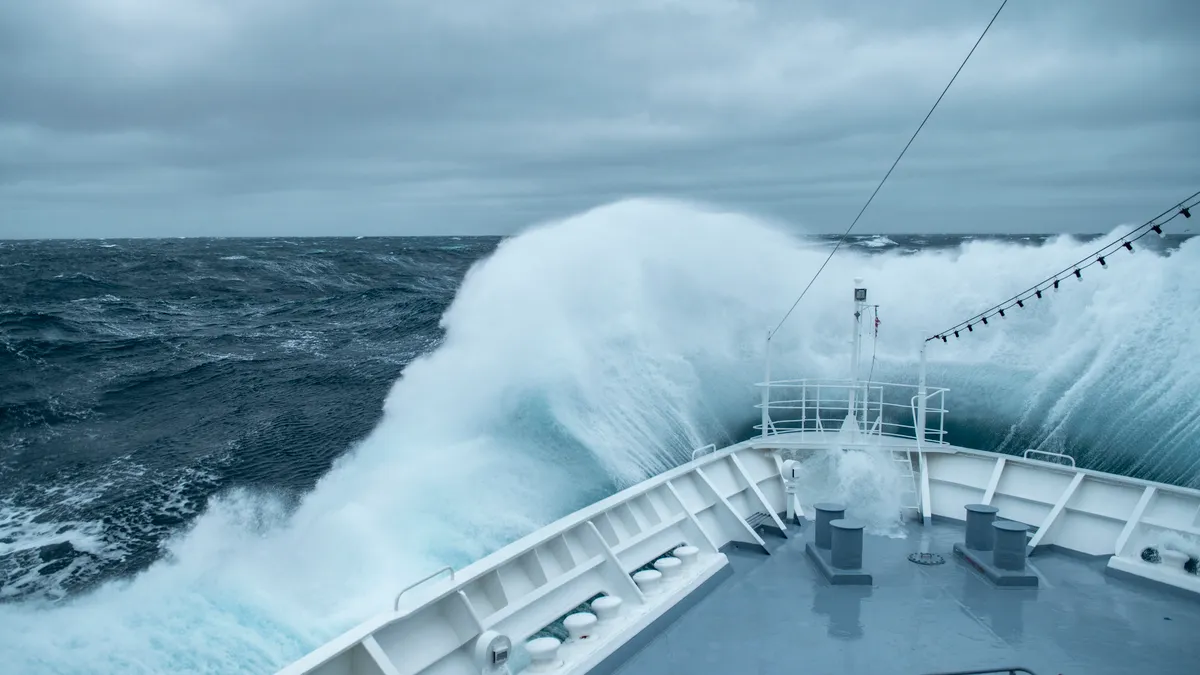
(1181, 208)
(889, 172)
(874, 344)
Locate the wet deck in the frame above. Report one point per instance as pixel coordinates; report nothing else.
(776, 614)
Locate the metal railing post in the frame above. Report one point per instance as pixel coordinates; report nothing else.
(804, 405)
(922, 397)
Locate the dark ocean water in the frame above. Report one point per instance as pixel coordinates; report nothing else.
(139, 378)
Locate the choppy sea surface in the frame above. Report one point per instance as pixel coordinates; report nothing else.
(217, 453)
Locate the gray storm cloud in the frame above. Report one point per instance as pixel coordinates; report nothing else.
(272, 117)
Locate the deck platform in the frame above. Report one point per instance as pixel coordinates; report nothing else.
(777, 614)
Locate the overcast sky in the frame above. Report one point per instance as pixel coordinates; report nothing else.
(380, 117)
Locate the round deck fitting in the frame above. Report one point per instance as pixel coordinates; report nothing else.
(580, 625)
(543, 653)
(670, 567)
(648, 581)
(686, 554)
(606, 608)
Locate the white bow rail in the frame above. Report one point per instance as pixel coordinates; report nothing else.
(419, 582)
(881, 409)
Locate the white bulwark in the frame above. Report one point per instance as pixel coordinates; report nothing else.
(572, 594)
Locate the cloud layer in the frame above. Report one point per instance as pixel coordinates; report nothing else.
(295, 117)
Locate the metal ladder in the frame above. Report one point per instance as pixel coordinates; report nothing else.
(903, 458)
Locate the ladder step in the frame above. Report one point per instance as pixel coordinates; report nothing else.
(763, 523)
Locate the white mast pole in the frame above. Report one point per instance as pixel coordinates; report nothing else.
(922, 404)
(766, 392)
(860, 302)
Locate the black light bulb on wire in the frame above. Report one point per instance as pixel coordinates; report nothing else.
(956, 334)
(943, 338)
(1078, 276)
(1020, 303)
(969, 329)
(1038, 293)
(1056, 285)
(1002, 314)
(1157, 230)
(1187, 213)
(1100, 259)
(1129, 246)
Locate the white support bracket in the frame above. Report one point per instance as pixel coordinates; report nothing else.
(1055, 512)
(470, 608)
(385, 665)
(614, 564)
(762, 499)
(926, 507)
(745, 527)
(994, 482)
(712, 546)
(1134, 519)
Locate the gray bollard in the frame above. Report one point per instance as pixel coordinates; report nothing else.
(980, 535)
(847, 541)
(826, 513)
(1009, 554)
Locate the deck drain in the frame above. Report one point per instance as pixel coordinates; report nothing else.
(926, 558)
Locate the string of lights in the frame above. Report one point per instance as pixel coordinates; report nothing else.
(1099, 257)
(870, 199)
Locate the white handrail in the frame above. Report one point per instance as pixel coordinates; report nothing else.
(703, 450)
(833, 399)
(396, 604)
(1048, 454)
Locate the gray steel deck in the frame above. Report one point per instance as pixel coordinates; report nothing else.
(776, 614)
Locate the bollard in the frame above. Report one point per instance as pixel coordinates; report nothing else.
(826, 513)
(980, 535)
(847, 541)
(1009, 551)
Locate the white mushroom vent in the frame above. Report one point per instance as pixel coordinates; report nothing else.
(648, 581)
(580, 625)
(543, 654)
(670, 567)
(686, 554)
(606, 608)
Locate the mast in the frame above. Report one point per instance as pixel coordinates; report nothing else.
(766, 391)
(850, 426)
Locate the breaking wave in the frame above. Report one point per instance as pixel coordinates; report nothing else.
(586, 354)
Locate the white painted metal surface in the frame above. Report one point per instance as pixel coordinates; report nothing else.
(1089, 512)
(530, 583)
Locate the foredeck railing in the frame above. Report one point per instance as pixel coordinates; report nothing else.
(881, 409)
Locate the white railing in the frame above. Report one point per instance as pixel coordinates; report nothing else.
(396, 603)
(882, 409)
